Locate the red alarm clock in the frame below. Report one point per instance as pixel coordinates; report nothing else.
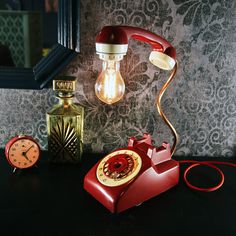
(22, 152)
(131, 175)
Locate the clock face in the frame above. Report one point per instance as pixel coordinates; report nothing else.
(118, 167)
(23, 153)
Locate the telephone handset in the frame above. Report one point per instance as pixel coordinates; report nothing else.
(129, 176)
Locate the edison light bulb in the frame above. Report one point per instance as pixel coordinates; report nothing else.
(110, 86)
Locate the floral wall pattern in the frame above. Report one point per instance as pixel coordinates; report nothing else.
(201, 102)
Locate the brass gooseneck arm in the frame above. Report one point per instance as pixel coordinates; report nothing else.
(160, 111)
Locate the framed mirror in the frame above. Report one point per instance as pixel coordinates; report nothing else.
(61, 53)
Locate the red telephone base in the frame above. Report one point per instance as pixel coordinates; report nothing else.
(157, 174)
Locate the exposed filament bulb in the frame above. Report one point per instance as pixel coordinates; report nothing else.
(110, 86)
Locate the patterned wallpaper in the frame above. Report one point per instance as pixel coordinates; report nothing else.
(201, 102)
(22, 33)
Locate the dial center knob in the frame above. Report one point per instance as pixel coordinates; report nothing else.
(117, 163)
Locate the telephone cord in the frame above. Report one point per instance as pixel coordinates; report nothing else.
(211, 164)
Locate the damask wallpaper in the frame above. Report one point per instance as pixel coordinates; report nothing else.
(201, 102)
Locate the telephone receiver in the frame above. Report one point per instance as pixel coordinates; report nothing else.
(112, 44)
(131, 175)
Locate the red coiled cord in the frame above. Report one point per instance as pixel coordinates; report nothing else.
(206, 163)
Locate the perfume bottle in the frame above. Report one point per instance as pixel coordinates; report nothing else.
(65, 124)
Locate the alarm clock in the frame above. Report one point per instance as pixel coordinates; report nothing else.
(22, 152)
(131, 175)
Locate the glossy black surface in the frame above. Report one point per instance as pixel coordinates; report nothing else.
(50, 200)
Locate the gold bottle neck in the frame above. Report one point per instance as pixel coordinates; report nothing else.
(65, 99)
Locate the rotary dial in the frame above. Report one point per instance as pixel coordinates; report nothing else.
(118, 167)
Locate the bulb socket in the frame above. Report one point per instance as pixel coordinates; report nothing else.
(110, 57)
(112, 52)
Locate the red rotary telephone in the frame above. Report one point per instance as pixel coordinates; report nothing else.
(129, 176)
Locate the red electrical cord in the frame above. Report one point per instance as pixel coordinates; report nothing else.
(206, 163)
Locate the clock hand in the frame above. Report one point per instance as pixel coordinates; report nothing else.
(24, 153)
(28, 149)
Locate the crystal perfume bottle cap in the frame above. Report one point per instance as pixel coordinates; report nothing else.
(64, 84)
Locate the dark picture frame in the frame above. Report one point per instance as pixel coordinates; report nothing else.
(67, 47)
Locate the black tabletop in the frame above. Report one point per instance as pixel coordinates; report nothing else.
(50, 200)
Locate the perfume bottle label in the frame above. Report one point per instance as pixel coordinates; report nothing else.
(62, 85)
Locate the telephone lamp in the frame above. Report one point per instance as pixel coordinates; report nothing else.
(130, 175)
(112, 46)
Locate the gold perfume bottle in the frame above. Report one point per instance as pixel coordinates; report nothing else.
(65, 124)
